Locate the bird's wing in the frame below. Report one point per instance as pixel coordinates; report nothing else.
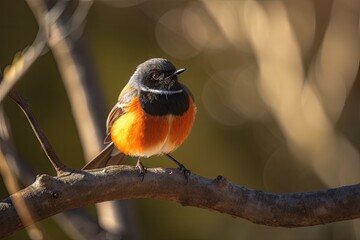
(111, 155)
(126, 96)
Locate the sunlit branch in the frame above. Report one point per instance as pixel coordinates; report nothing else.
(51, 195)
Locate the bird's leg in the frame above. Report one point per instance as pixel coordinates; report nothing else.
(182, 168)
(141, 168)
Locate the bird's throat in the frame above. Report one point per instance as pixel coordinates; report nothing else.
(157, 104)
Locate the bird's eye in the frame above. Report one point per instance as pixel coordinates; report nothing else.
(156, 76)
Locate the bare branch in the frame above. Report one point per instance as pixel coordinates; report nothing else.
(51, 195)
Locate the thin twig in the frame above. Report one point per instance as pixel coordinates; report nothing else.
(24, 60)
(59, 166)
(21, 63)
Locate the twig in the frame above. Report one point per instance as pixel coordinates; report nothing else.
(21, 63)
(24, 60)
(51, 195)
(59, 166)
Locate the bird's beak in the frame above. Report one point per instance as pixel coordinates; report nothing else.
(177, 72)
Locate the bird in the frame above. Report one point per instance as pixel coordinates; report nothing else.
(154, 115)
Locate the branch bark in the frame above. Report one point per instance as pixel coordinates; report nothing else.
(49, 195)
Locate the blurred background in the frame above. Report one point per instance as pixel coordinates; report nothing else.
(276, 85)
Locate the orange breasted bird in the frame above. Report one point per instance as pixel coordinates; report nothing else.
(153, 116)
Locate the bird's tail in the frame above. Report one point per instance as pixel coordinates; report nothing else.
(109, 156)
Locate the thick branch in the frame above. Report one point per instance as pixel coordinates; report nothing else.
(51, 195)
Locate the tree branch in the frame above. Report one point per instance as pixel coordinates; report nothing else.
(50, 195)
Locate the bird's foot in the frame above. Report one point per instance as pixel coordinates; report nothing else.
(181, 167)
(142, 170)
(186, 172)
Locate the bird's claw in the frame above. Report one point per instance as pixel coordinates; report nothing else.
(142, 170)
(186, 172)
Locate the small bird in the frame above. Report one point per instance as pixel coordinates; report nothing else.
(153, 116)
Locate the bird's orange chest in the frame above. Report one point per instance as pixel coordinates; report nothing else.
(137, 133)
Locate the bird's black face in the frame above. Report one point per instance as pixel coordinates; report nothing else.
(160, 91)
(159, 74)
